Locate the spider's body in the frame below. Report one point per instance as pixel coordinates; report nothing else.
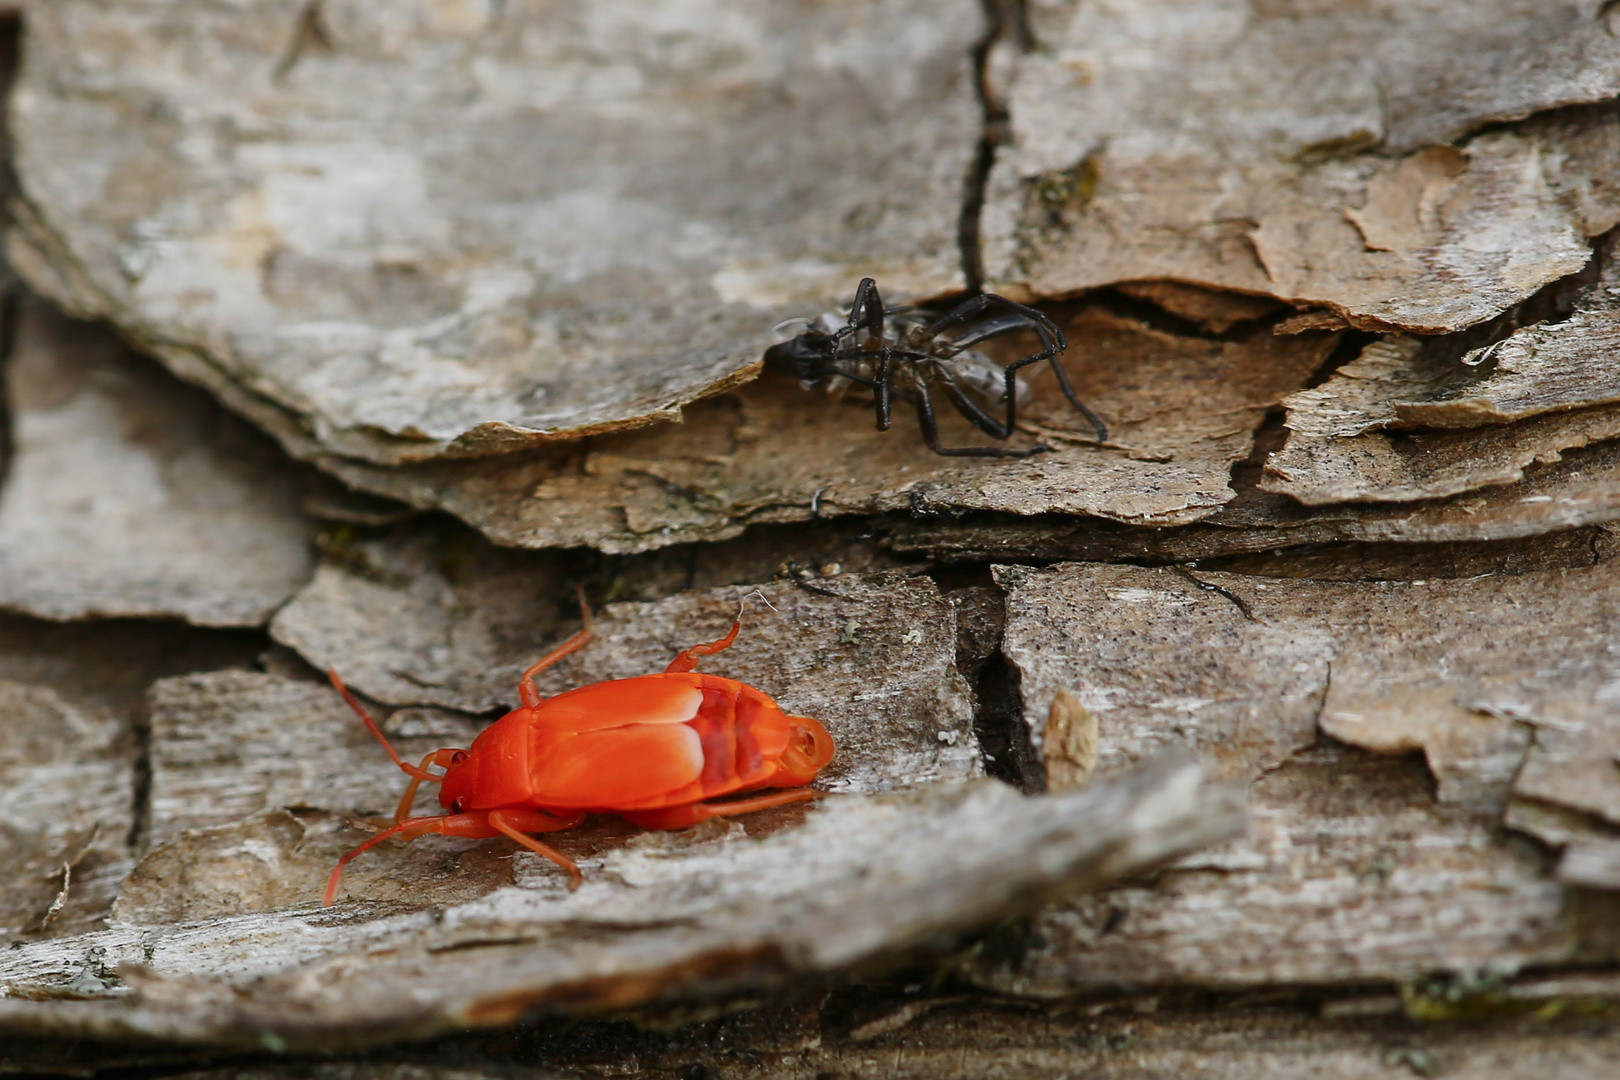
(877, 347)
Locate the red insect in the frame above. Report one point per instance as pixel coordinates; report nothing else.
(652, 749)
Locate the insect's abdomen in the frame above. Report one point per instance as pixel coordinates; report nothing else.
(743, 735)
(657, 741)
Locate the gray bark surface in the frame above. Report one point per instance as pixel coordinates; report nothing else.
(1581, 489)
(131, 495)
(394, 231)
(1289, 149)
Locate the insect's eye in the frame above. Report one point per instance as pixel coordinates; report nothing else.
(456, 807)
(458, 757)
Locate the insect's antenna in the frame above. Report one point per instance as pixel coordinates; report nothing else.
(742, 603)
(371, 725)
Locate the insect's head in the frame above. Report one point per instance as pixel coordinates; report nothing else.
(807, 347)
(808, 750)
(458, 779)
(805, 357)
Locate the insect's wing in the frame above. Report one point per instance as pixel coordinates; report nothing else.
(647, 699)
(611, 768)
(615, 744)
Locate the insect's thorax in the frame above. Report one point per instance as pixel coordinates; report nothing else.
(495, 771)
(974, 371)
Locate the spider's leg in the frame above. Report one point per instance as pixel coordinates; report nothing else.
(930, 431)
(1063, 380)
(886, 391)
(968, 407)
(1068, 391)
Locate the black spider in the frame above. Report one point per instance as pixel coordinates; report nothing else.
(876, 345)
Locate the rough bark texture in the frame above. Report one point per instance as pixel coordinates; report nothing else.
(1350, 873)
(130, 494)
(67, 777)
(227, 744)
(961, 1039)
(72, 808)
(1253, 668)
(1341, 877)
(1581, 489)
(1546, 367)
(711, 912)
(1286, 149)
(1180, 409)
(1404, 422)
(398, 230)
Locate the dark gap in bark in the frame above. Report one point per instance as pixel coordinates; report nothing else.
(1151, 315)
(1269, 437)
(10, 39)
(1591, 109)
(1552, 303)
(1005, 745)
(1154, 317)
(998, 722)
(1348, 348)
(140, 817)
(1002, 17)
(1006, 749)
(9, 304)
(1374, 560)
(309, 35)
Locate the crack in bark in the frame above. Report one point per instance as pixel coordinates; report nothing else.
(1002, 17)
(308, 35)
(1209, 586)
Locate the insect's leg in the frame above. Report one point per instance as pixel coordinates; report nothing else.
(884, 385)
(1053, 341)
(968, 407)
(687, 660)
(679, 817)
(533, 821)
(1052, 337)
(1068, 391)
(868, 310)
(528, 693)
(866, 294)
(440, 758)
(930, 431)
(405, 801)
(1063, 381)
(519, 823)
(474, 825)
(894, 392)
(833, 369)
(371, 725)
